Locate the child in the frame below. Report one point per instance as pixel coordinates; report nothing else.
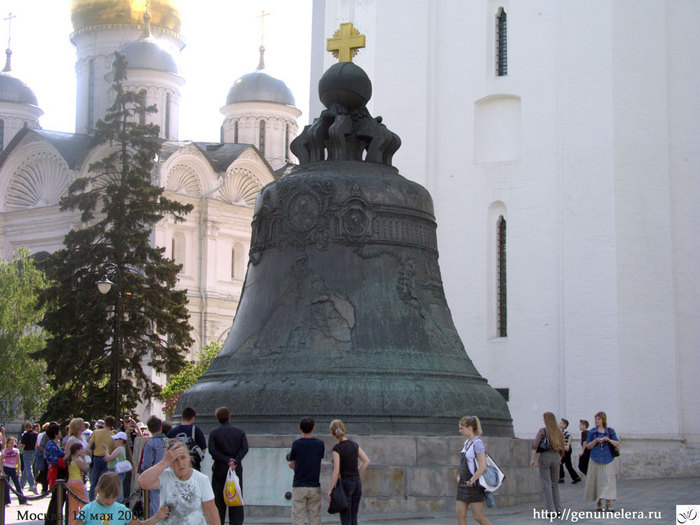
(76, 466)
(585, 454)
(10, 464)
(566, 460)
(105, 509)
(117, 455)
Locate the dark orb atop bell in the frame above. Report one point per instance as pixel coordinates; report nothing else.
(346, 84)
(343, 312)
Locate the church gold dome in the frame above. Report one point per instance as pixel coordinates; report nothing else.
(87, 13)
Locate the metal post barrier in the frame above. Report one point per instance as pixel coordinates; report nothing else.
(146, 504)
(59, 500)
(3, 482)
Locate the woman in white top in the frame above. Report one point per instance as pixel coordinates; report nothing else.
(185, 491)
(75, 434)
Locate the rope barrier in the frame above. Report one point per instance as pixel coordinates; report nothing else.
(73, 494)
(136, 494)
(28, 498)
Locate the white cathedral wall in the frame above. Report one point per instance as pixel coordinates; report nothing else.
(584, 112)
(684, 162)
(158, 86)
(209, 234)
(646, 330)
(280, 128)
(599, 224)
(15, 117)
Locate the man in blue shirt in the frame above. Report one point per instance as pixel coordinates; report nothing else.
(305, 458)
(153, 452)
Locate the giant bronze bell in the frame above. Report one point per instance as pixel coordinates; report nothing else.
(343, 312)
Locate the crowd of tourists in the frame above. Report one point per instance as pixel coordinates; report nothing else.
(552, 450)
(106, 457)
(168, 459)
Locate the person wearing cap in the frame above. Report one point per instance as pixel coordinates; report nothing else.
(86, 430)
(144, 429)
(100, 423)
(119, 453)
(99, 438)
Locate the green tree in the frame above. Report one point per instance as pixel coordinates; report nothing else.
(187, 377)
(119, 207)
(22, 380)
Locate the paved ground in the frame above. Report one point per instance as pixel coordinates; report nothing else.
(656, 499)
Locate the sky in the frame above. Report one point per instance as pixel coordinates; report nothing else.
(222, 39)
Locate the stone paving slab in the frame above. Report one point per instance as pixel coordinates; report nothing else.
(656, 498)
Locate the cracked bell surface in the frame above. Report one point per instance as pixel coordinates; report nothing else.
(343, 311)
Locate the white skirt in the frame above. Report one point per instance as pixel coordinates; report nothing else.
(600, 481)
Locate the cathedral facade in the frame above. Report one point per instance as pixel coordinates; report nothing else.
(560, 143)
(221, 180)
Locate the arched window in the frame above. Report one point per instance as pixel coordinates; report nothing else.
(91, 95)
(261, 138)
(235, 132)
(501, 43)
(167, 115)
(2, 134)
(501, 294)
(233, 262)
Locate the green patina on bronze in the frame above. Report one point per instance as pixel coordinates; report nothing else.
(343, 312)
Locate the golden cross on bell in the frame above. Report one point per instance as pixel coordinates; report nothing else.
(346, 42)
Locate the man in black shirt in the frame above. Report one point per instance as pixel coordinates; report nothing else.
(27, 445)
(305, 458)
(228, 446)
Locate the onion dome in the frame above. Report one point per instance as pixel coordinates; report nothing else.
(260, 87)
(147, 53)
(89, 13)
(13, 89)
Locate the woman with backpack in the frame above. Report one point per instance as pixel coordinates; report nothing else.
(600, 481)
(472, 465)
(548, 446)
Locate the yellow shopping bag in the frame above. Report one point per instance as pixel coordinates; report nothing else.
(232, 490)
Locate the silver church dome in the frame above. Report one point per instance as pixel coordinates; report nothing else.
(13, 89)
(259, 87)
(145, 53)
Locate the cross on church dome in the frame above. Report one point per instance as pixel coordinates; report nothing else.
(346, 42)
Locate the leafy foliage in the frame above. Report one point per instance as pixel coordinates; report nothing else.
(21, 392)
(187, 377)
(119, 207)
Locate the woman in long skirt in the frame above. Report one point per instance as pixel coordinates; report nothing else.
(601, 484)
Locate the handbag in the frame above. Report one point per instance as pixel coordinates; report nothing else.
(122, 466)
(232, 490)
(613, 449)
(544, 444)
(492, 479)
(339, 501)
